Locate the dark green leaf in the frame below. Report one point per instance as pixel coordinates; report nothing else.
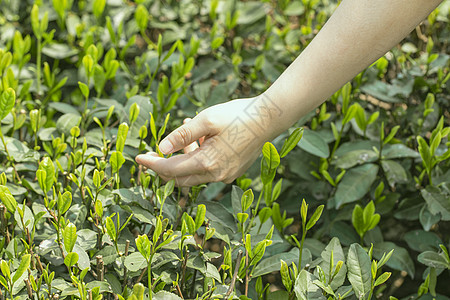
(355, 184)
(359, 272)
(313, 143)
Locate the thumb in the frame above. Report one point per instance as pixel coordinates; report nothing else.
(185, 135)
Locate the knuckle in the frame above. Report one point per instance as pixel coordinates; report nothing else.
(208, 121)
(209, 166)
(184, 135)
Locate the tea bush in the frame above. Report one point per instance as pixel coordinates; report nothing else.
(88, 85)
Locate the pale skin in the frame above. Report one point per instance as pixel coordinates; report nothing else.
(231, 134)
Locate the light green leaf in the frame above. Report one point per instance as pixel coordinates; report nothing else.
(24, 264)
(382, 278)
(71, 259)
(200, 216)
(271, 156)
(111, 228)
(116, 160)
(291, 142)
(247, 200)
(315, 217)
(70, 237)
(8, 199)
(47, 165)
(7, 101)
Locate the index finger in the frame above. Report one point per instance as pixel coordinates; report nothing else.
(176, 166)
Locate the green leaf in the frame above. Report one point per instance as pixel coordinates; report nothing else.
(189, 222)
(111, 229)
(116, 160)
(158, 230)
(355, 184)
(64, 202)
(122, 133)
(247, 200)
(8, 199)
(315, 217)
(353, 158)
(285, 278)
(200, 216)
(264, 214)
(3, 281)
(98, 6)
(334, 246)
(305, 289)
(7, 101)
(24, 264)
(433, 259)
(99, 78)
(141, 15)
(400, 259)
(35, 21)
(394, 172)
(71, 259)
(420, 240)
(5, 269)
(391, 134)
(351, 112)
(70, 237)
(291, 142)
(47, 165)
(272, 263)
(382, 278)
(168, 188)
(84, 89)
(425, 153)
(271, 156)
(359, 270)
(144, 246)
(314, 144)
(164, 295)
(134, 112)
(437, 201)
(135, 262)
(358, 220)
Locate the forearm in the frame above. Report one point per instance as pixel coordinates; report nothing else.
(357, 34)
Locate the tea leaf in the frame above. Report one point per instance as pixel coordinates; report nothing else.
(24, 264)
(71, 259)
(70, 237)
(359, 273)
(292, 141)
(7, 101)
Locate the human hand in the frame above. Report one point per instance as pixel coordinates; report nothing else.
(231, 136)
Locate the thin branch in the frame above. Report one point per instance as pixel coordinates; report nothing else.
(236, 271)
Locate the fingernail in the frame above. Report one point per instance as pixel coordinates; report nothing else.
(165, 147)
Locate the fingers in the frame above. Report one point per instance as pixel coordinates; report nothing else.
(175, 166)
(191, 147)
(186, 134)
